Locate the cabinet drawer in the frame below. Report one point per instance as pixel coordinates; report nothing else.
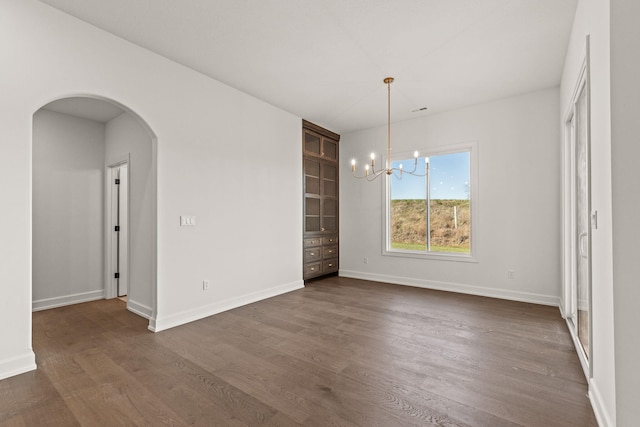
(311, 242)
(330, 265)
(312, 269)
(330, 251)
(312, 254)
(329, 240)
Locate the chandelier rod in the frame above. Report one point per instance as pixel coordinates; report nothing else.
(388, 81)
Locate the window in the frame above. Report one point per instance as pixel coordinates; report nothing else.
(431, 215)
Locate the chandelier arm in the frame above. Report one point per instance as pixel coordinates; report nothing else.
(369, 176)
(398, 173)
(356, 176)
(374, 176)
(415, 167)
(359, 177)
(415, 174)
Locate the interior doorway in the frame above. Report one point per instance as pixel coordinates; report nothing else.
(93, 239)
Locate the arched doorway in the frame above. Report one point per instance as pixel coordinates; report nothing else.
(77, 144)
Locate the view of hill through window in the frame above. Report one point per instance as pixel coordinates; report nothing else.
(448, 198)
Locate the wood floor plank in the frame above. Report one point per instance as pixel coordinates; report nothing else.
(340, 352)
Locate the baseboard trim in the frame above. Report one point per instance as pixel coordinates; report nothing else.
(45, 304)
(161, 323)
(139, 309)
(18, 365)
(456, 287)
(600, 411)
(561, 308)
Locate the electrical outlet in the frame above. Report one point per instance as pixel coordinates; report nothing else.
(187, 220)
(205, 285)
(511, 274)
(366, 260)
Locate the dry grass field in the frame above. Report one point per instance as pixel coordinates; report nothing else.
(409, 225)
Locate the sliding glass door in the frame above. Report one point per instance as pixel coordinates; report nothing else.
(582, 232)
(578, 220)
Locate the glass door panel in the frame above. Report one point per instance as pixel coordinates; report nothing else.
(582, 222)
(329, 149)
(329, 180)
(329, 215)
(312, 177)
(312, 214)
(312, 143)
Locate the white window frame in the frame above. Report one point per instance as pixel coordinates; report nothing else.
(472, 256)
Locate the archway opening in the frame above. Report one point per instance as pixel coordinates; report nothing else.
(78, 143)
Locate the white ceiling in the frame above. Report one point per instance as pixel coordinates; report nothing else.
(86, 108)
(324, 60)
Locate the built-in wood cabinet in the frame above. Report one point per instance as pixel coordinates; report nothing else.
(320, 174)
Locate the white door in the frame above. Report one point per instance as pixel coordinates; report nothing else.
(120, 228)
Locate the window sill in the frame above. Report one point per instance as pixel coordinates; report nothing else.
(432, 256)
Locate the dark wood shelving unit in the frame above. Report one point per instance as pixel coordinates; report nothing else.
(320, 173)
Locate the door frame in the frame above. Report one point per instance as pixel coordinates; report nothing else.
(110, 284)
(569, 213)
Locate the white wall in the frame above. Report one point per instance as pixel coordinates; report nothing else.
(229, 159)
(126, 138)
(592, 18)
(625, 152)
(68, 209)
(518, 226)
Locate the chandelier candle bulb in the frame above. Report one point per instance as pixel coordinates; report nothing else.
(353, 165)
(415, 154)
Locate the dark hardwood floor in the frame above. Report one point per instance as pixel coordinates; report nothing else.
(340, 352)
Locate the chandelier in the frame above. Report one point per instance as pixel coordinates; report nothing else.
(370, 172)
